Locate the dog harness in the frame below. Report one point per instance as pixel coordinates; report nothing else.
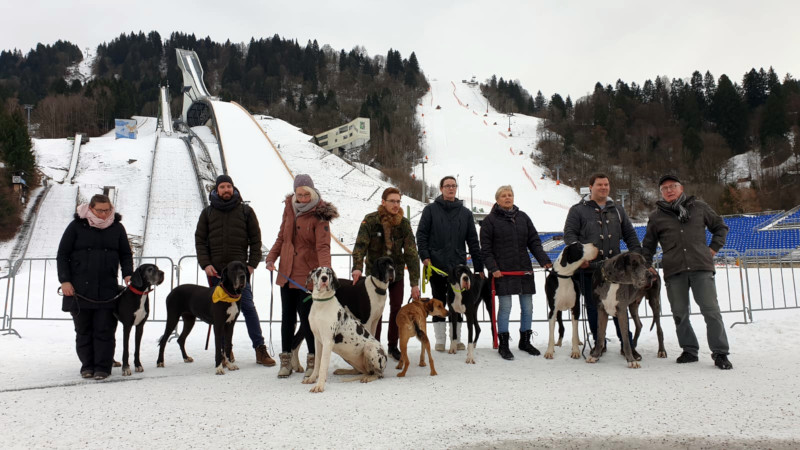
(221, 295)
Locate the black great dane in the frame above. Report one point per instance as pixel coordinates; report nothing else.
(133, 308)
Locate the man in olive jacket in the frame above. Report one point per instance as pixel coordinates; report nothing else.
(601, 222)
(387, 233)
(679, 224)
(227, 231)
(443, 229)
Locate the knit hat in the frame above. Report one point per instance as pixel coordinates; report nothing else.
(303, 180)
(668, 177)
(223, 179)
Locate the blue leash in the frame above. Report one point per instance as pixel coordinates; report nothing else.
(303, 288)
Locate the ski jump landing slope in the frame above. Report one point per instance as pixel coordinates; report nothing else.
(460, 141)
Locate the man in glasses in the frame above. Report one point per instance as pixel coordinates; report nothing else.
(445, 226)
(386, 232)
(601, 222)
(679, 225)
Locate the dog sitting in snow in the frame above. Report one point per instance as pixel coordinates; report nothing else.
(563, 293)
(336, 329)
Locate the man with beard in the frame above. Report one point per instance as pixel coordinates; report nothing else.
(679, 224)
(228, 231)
(446, 225)
(387, 233)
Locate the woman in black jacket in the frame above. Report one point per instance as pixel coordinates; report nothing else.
(90, 254)
(506, 236)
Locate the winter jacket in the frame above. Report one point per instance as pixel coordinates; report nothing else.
(90, 258)
(684, 244)
(604, 227)
(225, 235)
(304, 242)
(442, 231)
(506, 237)
(371, 243)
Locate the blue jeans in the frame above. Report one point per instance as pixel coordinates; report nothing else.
(249, 312)
(504, 311)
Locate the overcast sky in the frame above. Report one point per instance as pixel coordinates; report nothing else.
(553, 46)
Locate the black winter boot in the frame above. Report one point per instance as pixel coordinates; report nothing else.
(503, 347)
(525, 343)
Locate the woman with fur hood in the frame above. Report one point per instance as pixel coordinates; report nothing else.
(92, 250)
(303, 244)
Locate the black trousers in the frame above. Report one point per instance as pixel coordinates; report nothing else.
(584, 278)
(95, 338)
(292, 305)
(440, 289)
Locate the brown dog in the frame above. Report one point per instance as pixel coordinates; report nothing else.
(412, 321)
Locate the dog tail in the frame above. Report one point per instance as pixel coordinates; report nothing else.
(418, 330)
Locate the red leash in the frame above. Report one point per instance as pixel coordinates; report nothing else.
(494, 315)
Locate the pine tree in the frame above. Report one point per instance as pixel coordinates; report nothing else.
(540, 103)
(755, 90)
(15, 143)
(730, 114)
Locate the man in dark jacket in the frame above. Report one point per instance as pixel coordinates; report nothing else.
(443, 229)
(226, 230)
(601, 222)
(679, 224)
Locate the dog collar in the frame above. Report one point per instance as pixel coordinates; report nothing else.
(562, 276)
(377, 289)
(322, 299)
(137, 291)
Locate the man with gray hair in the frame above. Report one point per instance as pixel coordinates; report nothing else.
(679, 224)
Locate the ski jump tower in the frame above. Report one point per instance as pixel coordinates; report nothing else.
(196, 107)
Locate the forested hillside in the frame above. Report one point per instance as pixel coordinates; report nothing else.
(691, 127)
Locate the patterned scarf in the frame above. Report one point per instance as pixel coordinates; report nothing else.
(389, 221)
(85, 212)
(677, 207)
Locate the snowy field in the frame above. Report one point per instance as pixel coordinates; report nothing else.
(526, 403)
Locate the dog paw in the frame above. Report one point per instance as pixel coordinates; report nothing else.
(470, 360)
(575, 354)
(433, 373)
(160, 364)
(188, 359)
(220, 370)
(401, 374)
(309, 380)
(231, 366)
(549, 354)
(117, 364)
(318, 388)
(453, 348)
(369, 378)
(634, 365)
(399, 365)
(591, 360)
(558, 344)
(422, 364)
(139, 369)
(662, 354)
(126, 371)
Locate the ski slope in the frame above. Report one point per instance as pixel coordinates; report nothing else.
(174, 202)
(460, 141)
(55, 214)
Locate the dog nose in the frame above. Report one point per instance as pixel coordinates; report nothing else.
(324, 278)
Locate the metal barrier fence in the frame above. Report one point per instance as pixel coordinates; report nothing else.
(758, 280)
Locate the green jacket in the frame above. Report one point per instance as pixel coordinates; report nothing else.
(370, 243)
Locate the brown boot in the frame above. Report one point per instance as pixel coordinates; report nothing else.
(286, 365)
(309, 365)
(262, 356)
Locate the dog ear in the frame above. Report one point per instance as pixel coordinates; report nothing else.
(224, 273)
(621, 264)
(310, 276)
(334, 280)
(136, 278)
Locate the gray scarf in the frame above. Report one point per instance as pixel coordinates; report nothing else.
(677, 207)
(302, 208)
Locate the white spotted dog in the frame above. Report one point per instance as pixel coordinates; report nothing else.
(464, 297)
(563, 293)
(336, 329)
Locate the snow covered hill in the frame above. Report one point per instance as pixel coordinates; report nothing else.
(464, 140)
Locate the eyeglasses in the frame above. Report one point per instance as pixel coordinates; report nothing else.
(302, 195)
(102, 211)
(669, 187)
(396, 202)
(450, 186)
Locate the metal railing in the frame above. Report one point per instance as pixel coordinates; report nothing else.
(758, 280)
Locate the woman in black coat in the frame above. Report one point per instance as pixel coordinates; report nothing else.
(506, 236)
(90, 254)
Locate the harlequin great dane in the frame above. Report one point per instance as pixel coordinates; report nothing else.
(563, 293)
(619, 286)
(336, 329)
(218, 306)
(132, 310)
(366, 299)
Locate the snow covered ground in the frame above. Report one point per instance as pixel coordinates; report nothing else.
(526, 403)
